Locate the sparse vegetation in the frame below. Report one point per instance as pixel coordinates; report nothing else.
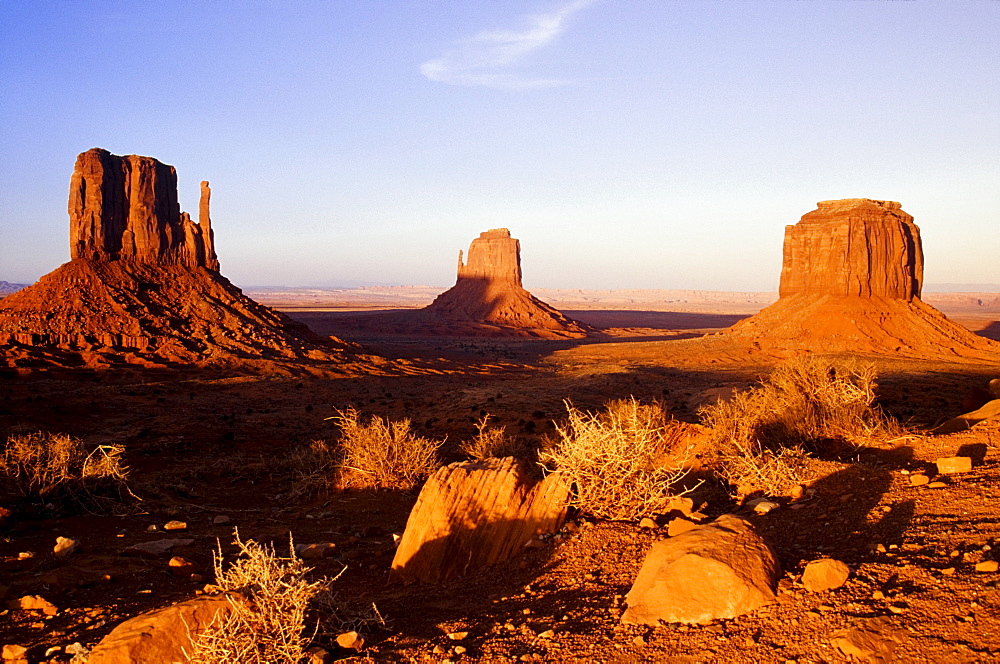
(381, 453)
(624, 462)
(57, 468)
(489, 442)
(267, 621)
(764, 435)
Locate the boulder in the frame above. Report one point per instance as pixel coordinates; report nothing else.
(990, 411)
(473, 514)
(720, 570)
(825, 574)
(163, 635)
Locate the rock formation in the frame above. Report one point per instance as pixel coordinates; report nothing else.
(126, 208)
(474, 514)
(850, 282)
(489, 291)
(143, 285)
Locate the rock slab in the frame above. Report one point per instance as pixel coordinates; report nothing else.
(164, 635)
(872, 640)
(720, 570)
(470, 515)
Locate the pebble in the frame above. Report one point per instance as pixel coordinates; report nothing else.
(948, 571)
(65, 546)
(937, 485)
(987, 566)
(679, 525)
(181, 566)
(547, 634)
(646, 522)
(825, 574)
(15, 654)
(316, 550)
(220, 519)
(459, 650)
(175, 525)
(354, 641)
(457, 636)
(919, 480)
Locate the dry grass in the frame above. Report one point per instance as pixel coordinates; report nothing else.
(489, 442)
(381, 453)
(56, 467)
(624, 462)
(763, 436)
(266, 624)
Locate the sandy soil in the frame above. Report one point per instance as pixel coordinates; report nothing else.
(204, 444)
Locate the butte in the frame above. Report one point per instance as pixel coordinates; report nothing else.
(851, 279)
(143, 285)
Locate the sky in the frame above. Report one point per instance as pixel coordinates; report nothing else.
(635, 144)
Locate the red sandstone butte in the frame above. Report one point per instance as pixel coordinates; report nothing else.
(143, 285)
(489, 291)
(851, 277)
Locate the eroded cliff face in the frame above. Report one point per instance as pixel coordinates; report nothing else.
(125, 208)
(494, 256)
(853, 247)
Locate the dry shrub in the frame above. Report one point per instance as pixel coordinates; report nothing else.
(763, 435)
(268, 618)
(381, 453)
(624, 462)
(315, 467)
(489, 442)
(56, 467)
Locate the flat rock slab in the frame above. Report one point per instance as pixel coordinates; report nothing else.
(164, 635)
(156, 547)
(953, 465)
(871, 640)
(474, 514)
(720, 570)
(990, 411)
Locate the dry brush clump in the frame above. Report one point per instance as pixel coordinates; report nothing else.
(624, 462)
(269, 597)
(379, 453)
(58, 469)
(764, 436)
(490, 442)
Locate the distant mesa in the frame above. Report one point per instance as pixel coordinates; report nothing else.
(489, 291)
(143, 285)
(6, 288)
(851, 279)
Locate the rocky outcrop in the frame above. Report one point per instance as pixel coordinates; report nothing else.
(717, 571)
(143, 286)
(853, 247)
(850, 282)
(125, 208)
(489, 291)
(470, 515)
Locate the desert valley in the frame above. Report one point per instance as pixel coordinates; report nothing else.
(195, 472)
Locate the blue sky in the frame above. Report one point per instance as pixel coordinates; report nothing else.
(630, 144)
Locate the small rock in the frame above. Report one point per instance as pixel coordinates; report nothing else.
(825, 574)
(547, 634)
(679, 525)
(987, 566)
(871, 640)
(763, 505)
(25, 555)
(34, 603)
(919, 480)
(317, 655)
(798, 492)
(457, 636)
(937, 485)
(316, 550)
(948, 571)
(639, 640)
(14, 654)
(175, 525)
(222, 518)
(181, 566)
(151, 528)
(459, 650)
(351, 641)
(951, 465)
(646, 522)
(65, 546)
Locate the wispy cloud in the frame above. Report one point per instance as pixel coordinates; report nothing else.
(487, 58)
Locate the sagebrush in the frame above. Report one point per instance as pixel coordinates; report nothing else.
(489, 442)
(622, 463)
(381, 453)
(266, 623)
(57, 468)
(764, 435)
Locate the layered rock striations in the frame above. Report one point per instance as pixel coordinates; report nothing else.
(125, 208)
(850, 282)
(853, 247)
(488, 291)
(143, 285)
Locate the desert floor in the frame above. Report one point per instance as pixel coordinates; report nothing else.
(202, 444)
